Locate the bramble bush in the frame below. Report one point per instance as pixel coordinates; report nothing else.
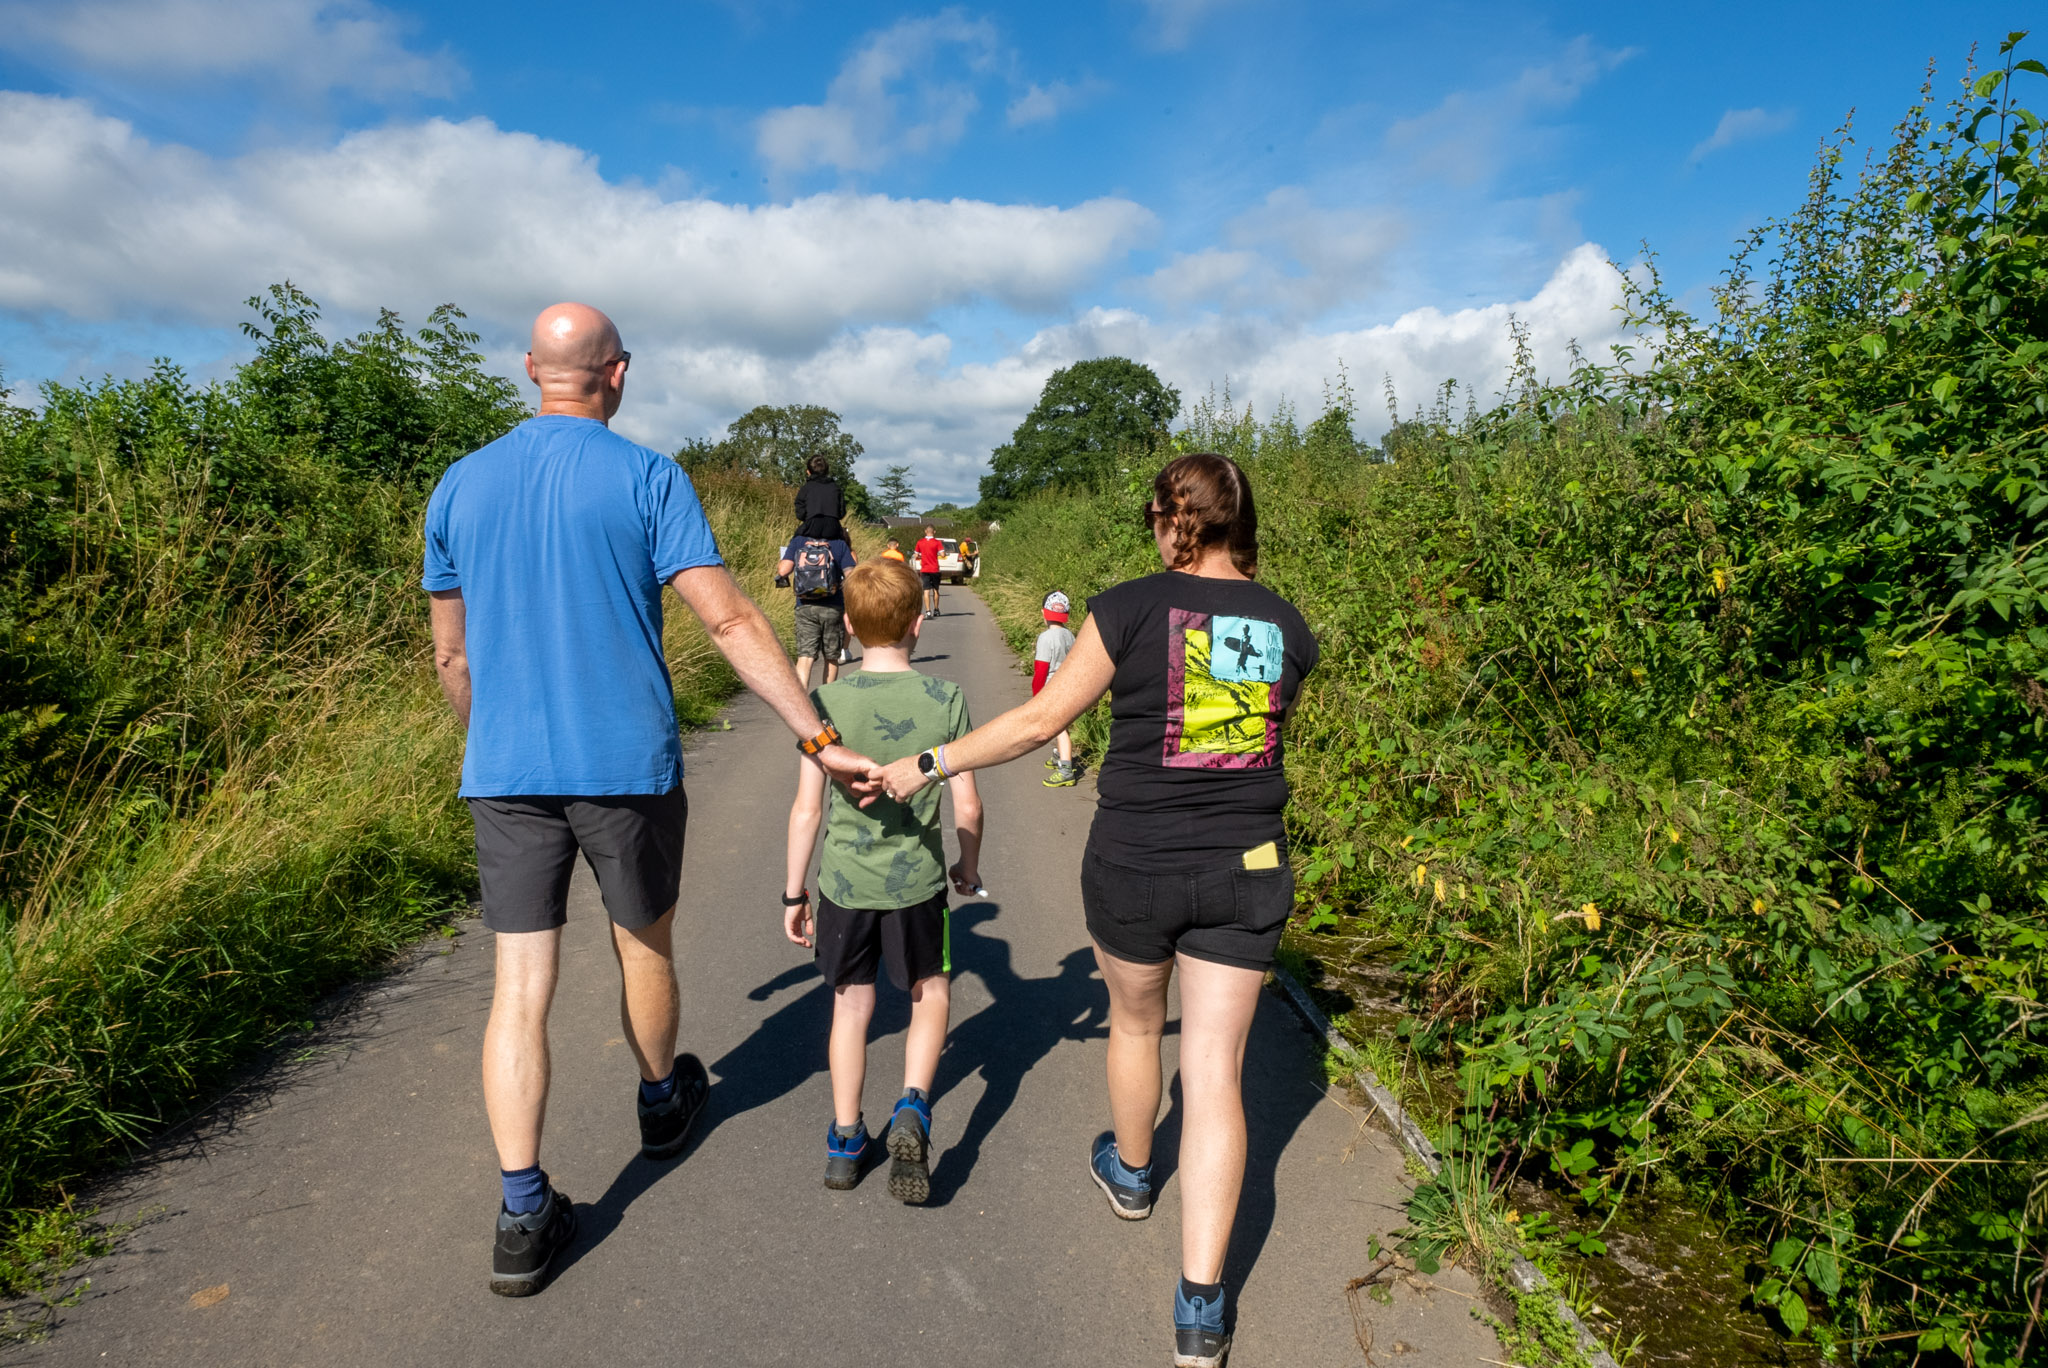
(227, 776)
(1681, 728)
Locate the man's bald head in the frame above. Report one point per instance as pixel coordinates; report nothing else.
(574, 359)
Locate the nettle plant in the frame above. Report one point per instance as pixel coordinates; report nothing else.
(1701, 735)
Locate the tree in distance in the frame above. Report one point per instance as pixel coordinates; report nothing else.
(777, 443)
(1089, 416)
(894, 493)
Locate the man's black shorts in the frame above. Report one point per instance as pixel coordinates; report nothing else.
(915, 942)
(1227, 914)
(526, 849)
(930, 578)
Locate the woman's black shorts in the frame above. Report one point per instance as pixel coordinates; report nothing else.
(1227, 914)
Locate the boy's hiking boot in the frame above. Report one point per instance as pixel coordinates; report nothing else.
(1129, 1190)
(529, 1245)
(846, 1158)
(1200, 1338)
(665, 1126)
(910, 1141)
(1062, 776)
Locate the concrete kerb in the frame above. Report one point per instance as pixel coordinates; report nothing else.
(1522, 1275)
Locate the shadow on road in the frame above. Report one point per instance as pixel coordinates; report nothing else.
(1004, 1041)
(1281, 1088)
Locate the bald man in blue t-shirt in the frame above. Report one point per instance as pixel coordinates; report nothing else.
(546, 554)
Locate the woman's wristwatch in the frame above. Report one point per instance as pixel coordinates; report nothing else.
(827, 737)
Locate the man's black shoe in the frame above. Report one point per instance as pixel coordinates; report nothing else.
(529, 1245)
(665, 1126)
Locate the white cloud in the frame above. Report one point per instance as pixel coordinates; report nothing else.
(901, 393)
(1174, 21)
(1740, 125)
(887, 100)
(829, 299)
(1286, 257)
(98, 220)
(1466, 138)
(1040, 103)
(305, 46)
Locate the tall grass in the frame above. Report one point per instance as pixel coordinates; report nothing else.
(230, 775)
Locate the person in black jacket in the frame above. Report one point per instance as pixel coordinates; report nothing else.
(820, 504)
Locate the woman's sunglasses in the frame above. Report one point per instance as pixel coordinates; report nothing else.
(1153, 515)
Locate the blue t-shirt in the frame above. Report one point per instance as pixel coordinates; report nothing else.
(560, 535)
(842, 555)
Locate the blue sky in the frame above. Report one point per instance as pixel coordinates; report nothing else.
(914, 214)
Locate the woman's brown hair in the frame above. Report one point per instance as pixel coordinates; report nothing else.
(1210, 502)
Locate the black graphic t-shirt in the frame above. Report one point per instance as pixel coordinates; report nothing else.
(1205, 671)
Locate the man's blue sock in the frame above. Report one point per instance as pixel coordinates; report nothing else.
(655, 1093)
(524, 1189)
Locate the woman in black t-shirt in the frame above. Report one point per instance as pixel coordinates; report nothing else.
(1186, 863)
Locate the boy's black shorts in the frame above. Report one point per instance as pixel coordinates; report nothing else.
(526, 850)
(1225, 914)
(916, 942)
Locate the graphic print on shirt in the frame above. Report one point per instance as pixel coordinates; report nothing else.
(1222, 691)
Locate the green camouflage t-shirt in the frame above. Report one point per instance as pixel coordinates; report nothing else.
(888, 854)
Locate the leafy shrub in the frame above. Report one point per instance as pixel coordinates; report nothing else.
(1680, 728)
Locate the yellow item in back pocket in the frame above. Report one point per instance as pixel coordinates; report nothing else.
(1265, 856)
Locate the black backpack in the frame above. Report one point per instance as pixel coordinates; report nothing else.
(815, 571)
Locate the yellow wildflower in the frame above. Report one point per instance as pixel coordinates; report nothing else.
(1439, 888)
(1592, 916)
(1720, 580)
(1421, 873)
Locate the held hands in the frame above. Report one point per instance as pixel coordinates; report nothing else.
(860, 774)
(799, 923)
(901, 779)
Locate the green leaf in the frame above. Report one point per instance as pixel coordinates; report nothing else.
(1824, 1272)
(1987, 83)
(1792, 1307)
(1675, 1028)
(1945, 387)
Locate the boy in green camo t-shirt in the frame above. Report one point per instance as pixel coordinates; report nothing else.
(882, 878)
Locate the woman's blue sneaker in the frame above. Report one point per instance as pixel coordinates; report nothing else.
(846, 1158)
(1129, 1190)
(910, 1137)
(1200, 1339)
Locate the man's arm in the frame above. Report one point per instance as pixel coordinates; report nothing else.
(742, 635)
(448, 616)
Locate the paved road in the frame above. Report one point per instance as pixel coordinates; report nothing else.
(340, 1210)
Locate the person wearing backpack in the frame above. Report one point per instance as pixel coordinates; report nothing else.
(821, 504)
(815, 568)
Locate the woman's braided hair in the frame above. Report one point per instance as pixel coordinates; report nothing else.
(1210, 502)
